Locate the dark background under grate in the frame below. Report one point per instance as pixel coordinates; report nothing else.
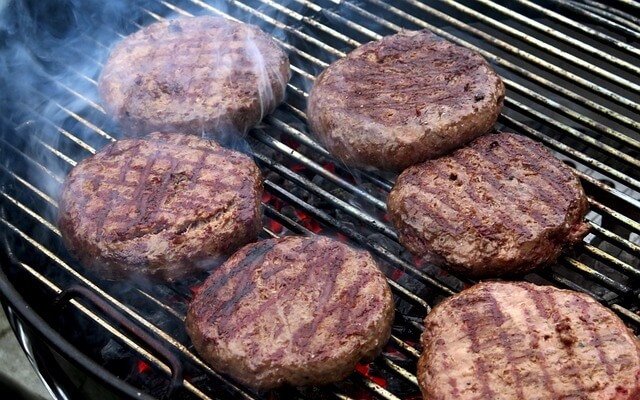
(571, 71)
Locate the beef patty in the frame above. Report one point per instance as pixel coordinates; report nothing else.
(404, 99)
(160, 206)
(194, 75)
(501, 205)
(507, 340)
(292, 311)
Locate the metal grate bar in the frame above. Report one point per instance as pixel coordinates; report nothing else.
(602, 17)
(567, 150)
(612, 261)
(607, 56)
(374, 247)
(611, 13)
(86, 116)
(121, 307)
(319, 170)
(405, 347)
(609, 150)
(513, 67)
(522, 55)
(623, 243)
(347, 22)
(581, 27)
(111, 329)
(277, 24)
(623, 219)
(626, 313)
(400, 371)
(614, 153)
(39, 167)
(550, 49)
(29, 187)
(609, 282)
(312, 187)
(610, 132)
(574, 115)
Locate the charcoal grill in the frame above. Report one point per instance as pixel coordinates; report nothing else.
(571, 70)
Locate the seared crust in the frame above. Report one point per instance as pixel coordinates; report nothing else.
(160, 206)
(194, 75)
(501, 340)
(296, 311)
(501, 205)
(404, 99)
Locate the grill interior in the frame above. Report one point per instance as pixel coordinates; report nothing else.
(570, 68)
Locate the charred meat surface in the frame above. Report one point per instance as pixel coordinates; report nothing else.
(194, 75)
(404, 99)
(292, 311)
(501, 205)
(160, 206)
(508, 340)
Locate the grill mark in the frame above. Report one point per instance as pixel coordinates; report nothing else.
(503, 338)
(534, 212)
(142, 202)
(242, 288)
(350, 293)
(443, 174)
(551, 178)
(325, 277)
(448, 201)
(149, 202)
(454, 386)
(197, 168)
(541, 359)
(226, 324)
(548, 175)
(594, 339)
(302, 336)
(113, 194)
(539, 300)
(469, 321)
(300, 250)
(197, 222)
(185, 80)
(234, 47)
(450, 62)
(437, 217)
(507, 219)
(296, 283)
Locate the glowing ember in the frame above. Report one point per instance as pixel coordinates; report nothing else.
(142, 367)
(396, 274)
(342, 237)
(331, 167)
(366, 371)
(308, 222)
(275, 226)
(194, 289)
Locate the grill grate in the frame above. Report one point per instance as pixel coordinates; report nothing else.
(570, 68)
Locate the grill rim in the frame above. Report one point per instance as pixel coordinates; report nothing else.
(47, 336)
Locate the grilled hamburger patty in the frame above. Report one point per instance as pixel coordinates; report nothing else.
(194, 75)
(404, 99)
(160, 206)
(501, 205)
(507, 340)
(296, 311)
